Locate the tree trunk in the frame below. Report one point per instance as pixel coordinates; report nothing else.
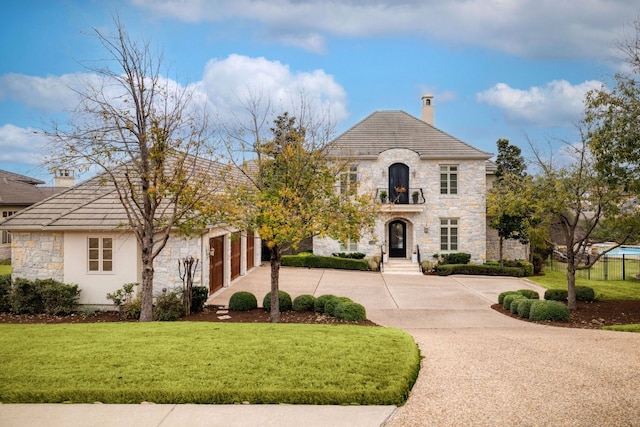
(500, 246)
(146, 309)
(571, 280)
(275, 281)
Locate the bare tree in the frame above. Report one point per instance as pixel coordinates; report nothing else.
(152, 144)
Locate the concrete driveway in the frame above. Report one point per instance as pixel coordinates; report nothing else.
(482, 368)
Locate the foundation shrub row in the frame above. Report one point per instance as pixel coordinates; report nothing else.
(339, 307)
(41, 296)
(526, 303)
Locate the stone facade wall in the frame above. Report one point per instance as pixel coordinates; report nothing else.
(511, 249)
(166, 274)
(423, 228)
(38, 255)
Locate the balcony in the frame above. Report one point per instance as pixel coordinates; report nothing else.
(400, 199)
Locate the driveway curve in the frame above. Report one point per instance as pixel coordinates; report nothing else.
(481, 368)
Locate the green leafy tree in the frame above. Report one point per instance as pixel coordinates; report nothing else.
(578, 199)
(613, 118)
(293, 195)
(508, 204)
(140, 130)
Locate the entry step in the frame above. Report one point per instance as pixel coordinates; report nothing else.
(401, 266)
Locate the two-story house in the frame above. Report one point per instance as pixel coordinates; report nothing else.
(430, 187)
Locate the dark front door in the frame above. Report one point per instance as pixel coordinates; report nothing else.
(399, 183)
(216, 263)
(397, 239)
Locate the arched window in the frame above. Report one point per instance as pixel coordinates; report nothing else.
(399, 183)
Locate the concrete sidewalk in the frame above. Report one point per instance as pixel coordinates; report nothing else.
(480, 368)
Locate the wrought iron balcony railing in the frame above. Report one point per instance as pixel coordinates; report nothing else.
(400, 196)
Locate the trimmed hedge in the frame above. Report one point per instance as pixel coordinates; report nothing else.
(5, 293)
(283, 298)
(304, 303)
(508, 299)
(243, 301)
(456, 258)
(524, 306)
(513, 307)
(332, 304)
(529, 293)
(504, 294)
(350, 311)
(315, 261)
(40, 296)
(352, 255)
(549, 311)
(585, 293)
(556, 295)
(485, 270)
(318, 307)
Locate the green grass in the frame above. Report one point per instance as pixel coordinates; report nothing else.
(5, 269)
(604, 289)
(198, 362)
(633, 327)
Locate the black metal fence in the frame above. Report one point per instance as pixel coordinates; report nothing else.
(609, 267)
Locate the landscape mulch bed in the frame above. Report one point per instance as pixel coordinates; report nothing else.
(592, 315)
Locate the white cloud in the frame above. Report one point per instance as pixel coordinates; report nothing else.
(558, 103)
(529, 28)
(20, 146)
(231, 82)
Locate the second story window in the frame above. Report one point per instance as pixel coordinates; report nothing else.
(448, 179)
(348, 179)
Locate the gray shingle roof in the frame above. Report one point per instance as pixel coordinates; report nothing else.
(384, 130)
(90, 205)
(20, 190)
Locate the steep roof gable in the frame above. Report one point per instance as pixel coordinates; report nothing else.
(20, 190)
(384, 130)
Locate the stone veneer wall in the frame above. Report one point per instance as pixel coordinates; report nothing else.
(166, 274)
(38, 255)
(511, 249)
(468, 206)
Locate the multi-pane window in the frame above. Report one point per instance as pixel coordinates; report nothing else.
(349, 246)
(6, 236)
(448, 179)
(448, 234)
(100, 254)
(348, 179)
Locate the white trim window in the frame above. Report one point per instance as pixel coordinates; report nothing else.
(448, 179)
(348, 179)
(6, 235)
(448, 234)
(349, 246)
(100, 254)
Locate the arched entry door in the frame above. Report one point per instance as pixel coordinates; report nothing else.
(397, 239)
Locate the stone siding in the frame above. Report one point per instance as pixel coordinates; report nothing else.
(511, 249)
(38, 255)
(423, 228)
(166, 274)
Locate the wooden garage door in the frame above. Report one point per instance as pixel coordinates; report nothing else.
(236, 254)
(250, 250)
(216, 263)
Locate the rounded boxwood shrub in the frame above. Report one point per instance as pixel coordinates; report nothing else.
(304, 303)
(242, 301)
(350, 311)
(318, 307)
(524, 306)
(506, 302)
(549, 310)
(330, 306)
(556, 294)
(513, 307)
(585, 293)
(283, 298)
(529, 293)
(504, 294)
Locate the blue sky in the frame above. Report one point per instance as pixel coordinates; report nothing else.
(497, 68)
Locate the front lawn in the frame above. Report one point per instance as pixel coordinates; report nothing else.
(5, 269)
(604, 289)
(201, 362)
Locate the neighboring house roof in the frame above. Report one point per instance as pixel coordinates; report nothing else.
(90, 205)
(20, 190)
(385, 130)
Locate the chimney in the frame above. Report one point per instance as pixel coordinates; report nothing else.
(427, 109)
(64, 178)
